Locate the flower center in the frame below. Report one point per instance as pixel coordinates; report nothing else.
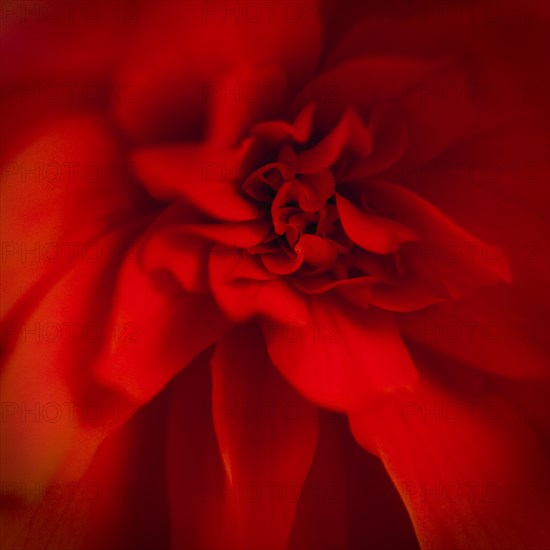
(306, 229)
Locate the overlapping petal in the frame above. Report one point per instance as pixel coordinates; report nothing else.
(371, 232)
(493, 330)
(445, 453)
(267, 434)
(203, 175)
(61, 192)
(243, 288)
(57, 410)
(175, 103)
(345, 233)
(344, 358)
(160, 315)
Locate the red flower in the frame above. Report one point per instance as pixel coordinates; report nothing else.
(352, 196)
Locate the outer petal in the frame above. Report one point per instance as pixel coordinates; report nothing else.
(119, 502)
(61, 80)
(31, 28)
(267, 436)
(360, 84)
(57, 412)
(194, 469)
(496, 187)
(60, 193)
(493, 330)
(470, 477)
(206, 41)
(349, 501)
(345, 358)
(478, 66)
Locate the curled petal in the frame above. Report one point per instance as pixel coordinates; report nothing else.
(276, 132)
(244, 288)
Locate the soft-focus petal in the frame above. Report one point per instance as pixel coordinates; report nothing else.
(60, 193)
(204, 176)
(57, 411)
(206, 41)
(496, 187)
(267, 436)
(492, 330)
(471, 474)
(193, 465)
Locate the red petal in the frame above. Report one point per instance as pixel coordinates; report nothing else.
(61, 193)
(350, 133)
(276, 132)
(49, 30)
(267, 436)
(357, 291)
(492, 330)
(344, 358)
(476, 80)
(239, 235)
(471, 474)
(281, 263)
(170, 327)
(496, 187)
(183, 249)
(316, 250)
(242, 97)
(57, 410)
(168, 103)
(243, 288)
(389, 141)
(404, 297)
(202, 175)
(194, 470)
(360, 84)
(370, 232)
(437, 232)
(121, 499)
(184, 255)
